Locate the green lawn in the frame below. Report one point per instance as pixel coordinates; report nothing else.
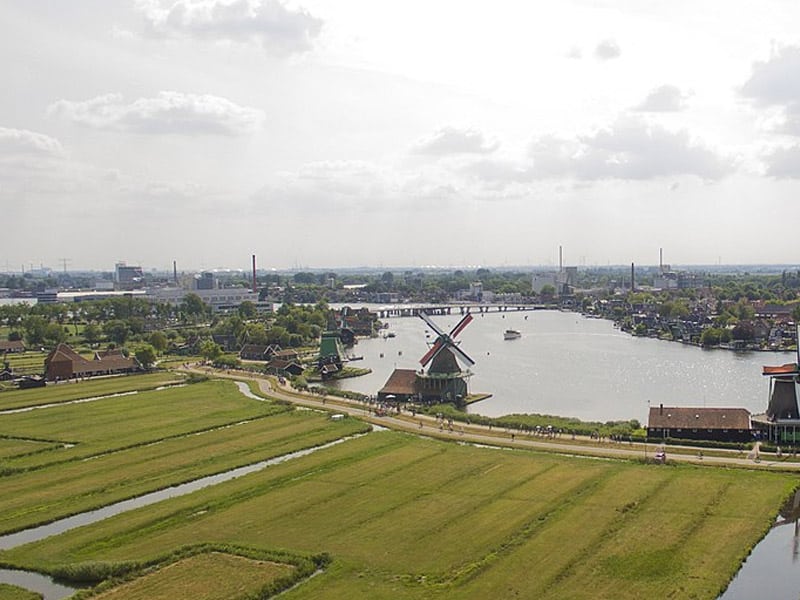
(64, 392)
(142, 443)
(407, 517)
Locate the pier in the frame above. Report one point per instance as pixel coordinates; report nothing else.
(403, 310)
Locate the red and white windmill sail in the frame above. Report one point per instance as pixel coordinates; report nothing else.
(446, 340)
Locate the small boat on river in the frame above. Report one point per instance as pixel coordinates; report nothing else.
(511, 334)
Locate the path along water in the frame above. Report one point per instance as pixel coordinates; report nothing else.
(54, 591)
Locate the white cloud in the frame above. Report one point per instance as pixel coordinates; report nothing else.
(450, 140)
(277, 28)
(784, 163)
(21, 142)
(607, 50)
(168, 112)
(665, 98)
(629, 149)
(774, 83)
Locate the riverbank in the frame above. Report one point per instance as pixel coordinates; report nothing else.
(580, 445)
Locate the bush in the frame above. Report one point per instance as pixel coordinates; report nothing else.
(227, 361)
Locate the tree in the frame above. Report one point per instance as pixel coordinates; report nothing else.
(117, 331)
(92, 334)
(54, 334)
(548, 291)
(194, 307)
(158, 341)
(247, 310)
(146, 355)
(710, 337)
(744, 330)
(210, 350)
(34, 327)
(227, 361)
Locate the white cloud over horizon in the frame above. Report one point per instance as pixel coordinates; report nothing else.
(270, 23)
(451, 140)
(167, 113)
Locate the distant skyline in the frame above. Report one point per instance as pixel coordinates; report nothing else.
(354, 133)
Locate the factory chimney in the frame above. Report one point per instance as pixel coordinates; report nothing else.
(661, 260)
(255, 285)
(560, 260)
(175, 271)
(633, 279)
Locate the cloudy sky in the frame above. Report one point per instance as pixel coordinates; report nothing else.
(374, 133)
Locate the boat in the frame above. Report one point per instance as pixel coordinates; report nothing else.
(511, 334)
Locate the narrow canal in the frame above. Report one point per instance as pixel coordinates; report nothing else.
(52, 590)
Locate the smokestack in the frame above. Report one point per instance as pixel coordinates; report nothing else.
(633, 280)
(175, 271)
(255, 286)
(560, 260)
(661, 259)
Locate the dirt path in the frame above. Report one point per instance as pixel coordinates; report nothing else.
(501, 437)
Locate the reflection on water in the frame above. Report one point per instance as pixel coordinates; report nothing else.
(772, 570)
(41, 584)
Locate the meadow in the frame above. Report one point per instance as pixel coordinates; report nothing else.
(396, 515)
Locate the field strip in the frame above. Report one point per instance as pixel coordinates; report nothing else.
(44, 531)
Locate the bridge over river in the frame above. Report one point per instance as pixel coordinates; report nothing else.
(412, 310)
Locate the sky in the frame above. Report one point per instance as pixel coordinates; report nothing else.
(320, 134)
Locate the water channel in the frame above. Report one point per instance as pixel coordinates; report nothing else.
(52, 590)
(566, 364)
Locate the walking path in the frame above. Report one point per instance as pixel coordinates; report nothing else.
(430, 426)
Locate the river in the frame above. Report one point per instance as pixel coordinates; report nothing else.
(566, 364)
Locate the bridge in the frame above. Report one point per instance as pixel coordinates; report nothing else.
(405, 310)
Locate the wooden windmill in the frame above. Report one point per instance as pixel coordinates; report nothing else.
(444, 380)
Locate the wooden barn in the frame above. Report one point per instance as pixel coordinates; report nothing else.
(689, 423)
(64, 363)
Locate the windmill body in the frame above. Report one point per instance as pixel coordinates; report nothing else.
(442, 378)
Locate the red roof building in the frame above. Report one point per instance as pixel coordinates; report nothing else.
(64, 363)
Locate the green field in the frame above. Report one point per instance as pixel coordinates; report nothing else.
(141, 443)
(64, 392)
(400, 516)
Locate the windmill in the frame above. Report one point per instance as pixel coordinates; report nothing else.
(346, 334)
(444, 380)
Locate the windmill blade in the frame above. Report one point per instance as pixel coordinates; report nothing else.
(461, 325)
(462, 355)
(430, 323)
(434, 350)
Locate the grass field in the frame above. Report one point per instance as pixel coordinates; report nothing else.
(211, 576)
(29, 362)
(408, 517)
(401, 516)
(64, 392)
(129, 445)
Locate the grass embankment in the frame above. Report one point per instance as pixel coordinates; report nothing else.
(529, 422)
(12, 592)
(407, 517)
(143, 443)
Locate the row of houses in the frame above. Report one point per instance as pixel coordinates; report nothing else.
(279, 362)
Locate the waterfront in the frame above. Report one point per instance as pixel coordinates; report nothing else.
(565, 364)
